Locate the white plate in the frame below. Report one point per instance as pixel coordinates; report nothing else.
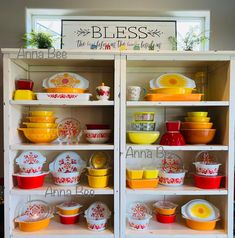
(65, 80)
(30, 157)
(67, 162)
(186, 210)
(64, 96)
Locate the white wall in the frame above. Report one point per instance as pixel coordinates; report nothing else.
(12, 20)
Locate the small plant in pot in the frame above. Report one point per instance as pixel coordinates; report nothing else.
(189, 41)
(40, 40)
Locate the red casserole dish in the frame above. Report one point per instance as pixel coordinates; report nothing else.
(165, 218)
(24, 84)
(69, 219)
(97, 126)
(30, 182)
(207, 182)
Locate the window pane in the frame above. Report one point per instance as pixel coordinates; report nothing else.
(52, 26)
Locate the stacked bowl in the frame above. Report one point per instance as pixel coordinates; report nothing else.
(197, 128)
(30, 175)
(207, 168)
(200, 214)
(98, 170)
(97, 216)
(41, 127)
(143, 129)
(69, 212)
(165, 211)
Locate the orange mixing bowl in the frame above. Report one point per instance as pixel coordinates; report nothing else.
(65, 90)
(201, 225)
(198, 136)
(196, 125)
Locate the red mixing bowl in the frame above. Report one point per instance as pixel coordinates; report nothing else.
(165, 218)
(207, 182)
(69, 219)
(30, 182)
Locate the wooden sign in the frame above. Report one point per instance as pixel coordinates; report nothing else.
(117, 34)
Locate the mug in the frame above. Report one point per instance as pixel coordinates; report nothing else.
(133, 93)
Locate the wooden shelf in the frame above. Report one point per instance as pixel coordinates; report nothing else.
(56, 229)
(185, 189)
(49, 190)
(179, 148)
(177, 103)
(27, 146)
(60, 103)
(176, 230)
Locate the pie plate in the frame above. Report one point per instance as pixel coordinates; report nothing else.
(97, 211)
(65, 79)
(99, 160)
(138, 210)
(69, 130)
(30, 157)
(172, 163)
(35, 210)
(67, 162)
(200, 210)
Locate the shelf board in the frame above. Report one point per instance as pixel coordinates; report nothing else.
(51, 190)
(28, 146)
(56, 229)
(176, 103)
(178, 148)
(60, 103)
(176, 230)
(185, 189)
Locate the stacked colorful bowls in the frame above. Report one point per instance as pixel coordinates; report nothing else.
(200, 214)
(165, 211)
(207, 168)
(143, 129)
(197, 128)
(41, 127)
(69, 212)
(30, 175)
(99, 170)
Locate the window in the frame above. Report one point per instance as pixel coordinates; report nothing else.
(199, 24)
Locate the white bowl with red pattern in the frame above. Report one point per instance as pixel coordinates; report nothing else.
(97, 136)
(171, 179)
(139, 224)
(66, 179)
(207, 169)
(97, 225)
(31, 169)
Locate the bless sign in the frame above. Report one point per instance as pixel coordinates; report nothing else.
(113, 34)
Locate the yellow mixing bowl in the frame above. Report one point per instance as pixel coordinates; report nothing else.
(134, 173)
(197, 114)
(98, 181)
(42, 119)
(172, 90)
(40, 135)
(98, 172)
(40, 125)
(197, 119)
(143, 137)
(41, 113)
(33, 226)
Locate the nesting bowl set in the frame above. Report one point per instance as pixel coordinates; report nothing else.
(143, 129)
(99, 170)
(41, 127)
(197, 128)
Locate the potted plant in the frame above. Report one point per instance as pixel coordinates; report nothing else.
(40, 40)
(189, 41)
